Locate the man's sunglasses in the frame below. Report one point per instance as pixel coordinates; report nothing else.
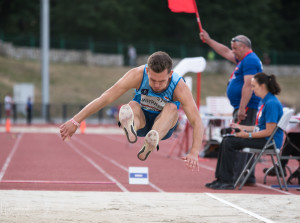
(235, 39)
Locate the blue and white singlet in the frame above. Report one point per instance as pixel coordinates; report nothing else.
(154, 102)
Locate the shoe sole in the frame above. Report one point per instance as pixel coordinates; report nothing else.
(126, 120)
(151, 142)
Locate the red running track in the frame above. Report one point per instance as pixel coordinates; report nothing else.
(95, 162)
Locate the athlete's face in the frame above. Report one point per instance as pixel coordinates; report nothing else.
(158, 81)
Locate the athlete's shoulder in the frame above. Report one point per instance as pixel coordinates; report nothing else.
(133, 77)
(136, 72)
(180, 89)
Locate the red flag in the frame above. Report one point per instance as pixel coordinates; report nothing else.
(187, 6)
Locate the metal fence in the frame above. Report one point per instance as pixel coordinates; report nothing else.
(118, 47)
(56, 114)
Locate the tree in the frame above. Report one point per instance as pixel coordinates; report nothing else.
(270, 24)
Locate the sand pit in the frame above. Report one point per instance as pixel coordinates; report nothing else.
(60, 206)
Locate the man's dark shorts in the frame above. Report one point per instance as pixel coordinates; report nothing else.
(150, 118)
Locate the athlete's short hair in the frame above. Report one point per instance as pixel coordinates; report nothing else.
(159, 61)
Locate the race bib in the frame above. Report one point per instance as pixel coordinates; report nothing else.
(151, 103)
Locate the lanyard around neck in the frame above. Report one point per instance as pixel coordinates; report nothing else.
(246, 54)
(258, 114)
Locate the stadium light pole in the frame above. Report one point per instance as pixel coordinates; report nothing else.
(45, 56)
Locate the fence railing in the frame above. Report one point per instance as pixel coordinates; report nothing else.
(119, 47)
(55, 114)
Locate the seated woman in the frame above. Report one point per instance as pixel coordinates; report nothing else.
(266, 87)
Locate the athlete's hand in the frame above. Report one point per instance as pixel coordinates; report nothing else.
(67, 130)
(191, 161)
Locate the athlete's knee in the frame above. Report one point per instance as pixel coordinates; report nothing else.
(170, 108)
(134, 105)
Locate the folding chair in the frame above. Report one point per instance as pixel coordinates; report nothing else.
(293, 141)
(268, 149)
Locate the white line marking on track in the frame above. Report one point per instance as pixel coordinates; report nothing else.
(8, 159)
(240, 209)
(56, 182)
(98, 167)
(207, 167)
(275, 189)
(113, 161)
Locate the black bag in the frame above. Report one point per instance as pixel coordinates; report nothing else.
(227, 131)
(296, 175)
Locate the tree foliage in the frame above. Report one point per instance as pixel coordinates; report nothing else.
(270, 24)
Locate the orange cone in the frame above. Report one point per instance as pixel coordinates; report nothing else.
(82, 127)
(7, 125)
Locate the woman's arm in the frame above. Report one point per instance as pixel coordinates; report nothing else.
(260, 134)
(243, 127)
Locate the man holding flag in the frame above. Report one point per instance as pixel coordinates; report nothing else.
(239, 90)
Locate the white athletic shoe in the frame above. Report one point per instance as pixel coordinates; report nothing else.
(126, 121)
(151, 143)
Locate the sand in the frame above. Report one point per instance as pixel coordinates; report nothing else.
(69, 206)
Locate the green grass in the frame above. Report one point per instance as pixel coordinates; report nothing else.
(79, 84)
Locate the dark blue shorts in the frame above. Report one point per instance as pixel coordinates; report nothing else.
(150, 117)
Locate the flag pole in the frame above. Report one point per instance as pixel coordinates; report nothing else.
(199, 74)
(197, 16)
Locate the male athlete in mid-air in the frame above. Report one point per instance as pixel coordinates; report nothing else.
(153, 112)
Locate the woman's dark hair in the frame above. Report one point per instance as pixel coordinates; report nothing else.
(269, 80)
(159, 61)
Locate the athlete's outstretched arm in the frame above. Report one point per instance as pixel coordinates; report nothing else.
(130, 80)
(183, 94)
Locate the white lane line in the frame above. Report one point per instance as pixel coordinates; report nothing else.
(97, 167)
(8, 159)
(119, 139)
(240, 209)
(207, 167)
(55, 182)
(275, 189)
(113, 162)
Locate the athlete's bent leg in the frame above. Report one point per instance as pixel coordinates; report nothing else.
(139, 117)
(131, 117)
(166, 120)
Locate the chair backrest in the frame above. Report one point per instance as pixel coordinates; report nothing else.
(285, 118)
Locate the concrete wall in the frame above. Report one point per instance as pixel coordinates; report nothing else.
(87, 57)
(62, 56)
